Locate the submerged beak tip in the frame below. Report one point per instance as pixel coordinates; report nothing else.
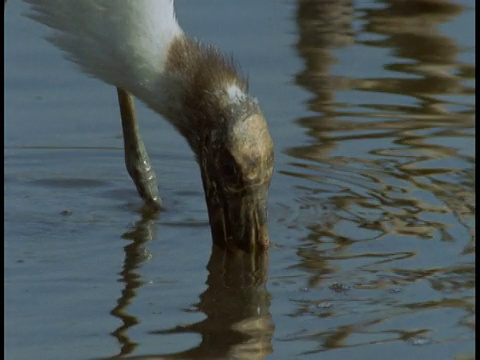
(259, 242)
(240, 223)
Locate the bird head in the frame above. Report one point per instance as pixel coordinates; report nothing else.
(236, 162)
(229, 135)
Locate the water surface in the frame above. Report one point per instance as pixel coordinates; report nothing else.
(371, 107)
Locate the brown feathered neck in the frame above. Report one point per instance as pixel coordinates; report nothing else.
(200, 78)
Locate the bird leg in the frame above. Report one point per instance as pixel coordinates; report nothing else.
(136, 157)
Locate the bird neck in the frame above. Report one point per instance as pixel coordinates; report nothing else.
(198, 89)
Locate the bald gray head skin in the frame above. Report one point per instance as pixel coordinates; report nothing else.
(229, 135)
(236, 166)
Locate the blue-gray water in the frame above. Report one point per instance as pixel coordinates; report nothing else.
(371, 107)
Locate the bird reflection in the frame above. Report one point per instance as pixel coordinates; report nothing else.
(136, 253)
(236, 303)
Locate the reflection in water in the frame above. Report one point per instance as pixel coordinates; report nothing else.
(401, 149)
(391, 171)
(236, 302)
(390, 181)
(385, 191)
(136, 253)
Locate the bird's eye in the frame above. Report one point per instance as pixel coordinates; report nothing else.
(232, 181)
(229, 169)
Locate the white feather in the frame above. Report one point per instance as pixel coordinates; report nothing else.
(122, 42)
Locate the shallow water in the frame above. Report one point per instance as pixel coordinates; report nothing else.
(371, 107)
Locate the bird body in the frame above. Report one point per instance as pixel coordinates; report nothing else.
(138, 46)
(124, 43)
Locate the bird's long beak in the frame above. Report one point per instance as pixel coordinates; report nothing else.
(240, 221)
